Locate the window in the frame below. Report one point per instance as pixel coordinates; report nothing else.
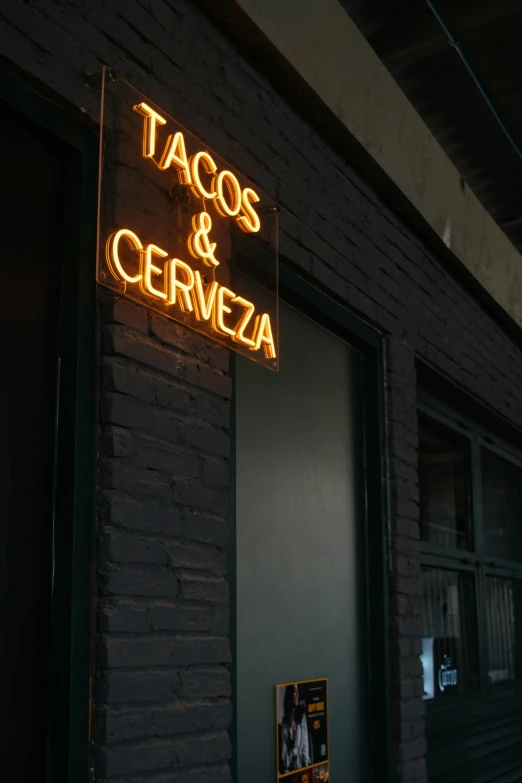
(470, 493)
(444, 480)
(502, 501)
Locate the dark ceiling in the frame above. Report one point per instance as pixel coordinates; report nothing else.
(414, 48)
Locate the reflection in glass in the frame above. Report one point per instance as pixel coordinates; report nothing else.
(504, 628)
(449, 642)
(502, 506)
(444, 485)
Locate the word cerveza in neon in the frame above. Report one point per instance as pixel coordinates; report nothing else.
(184, 287)
(175, 282)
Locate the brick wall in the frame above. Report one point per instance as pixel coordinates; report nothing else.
(162, 682)
(406, 588)
(162, 685)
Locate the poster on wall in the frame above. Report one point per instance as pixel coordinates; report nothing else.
(302, 731)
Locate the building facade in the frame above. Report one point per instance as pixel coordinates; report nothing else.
(187, 529)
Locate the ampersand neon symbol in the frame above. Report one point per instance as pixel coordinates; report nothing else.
(199, 244)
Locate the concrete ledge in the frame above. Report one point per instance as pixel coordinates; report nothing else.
(313, 46)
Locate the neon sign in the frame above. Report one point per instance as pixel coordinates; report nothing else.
(168, 210)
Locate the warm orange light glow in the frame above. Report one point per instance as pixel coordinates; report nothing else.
(249, 221)
(243, 322)
(203, 302)
(229, 180)
(149, 269)
(198, 243)
(220, 308)
(149, 128)
(210, 167)
(112, 254)
(185, 287)
(175, 153)
(187, 292)
(179, 290)
(263, 336)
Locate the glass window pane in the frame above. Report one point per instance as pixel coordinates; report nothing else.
(449, 643)
(502, 506)
(504, 629)
(444, 485)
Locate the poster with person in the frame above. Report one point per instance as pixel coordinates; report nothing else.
(302, 731)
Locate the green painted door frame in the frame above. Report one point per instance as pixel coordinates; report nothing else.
(302, 295)
(70, 664)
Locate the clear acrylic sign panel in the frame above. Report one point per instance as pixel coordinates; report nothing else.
(171, 212)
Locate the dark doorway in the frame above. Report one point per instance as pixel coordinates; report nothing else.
(32, 223)
(300, 565)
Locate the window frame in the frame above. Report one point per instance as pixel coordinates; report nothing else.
(475, 560)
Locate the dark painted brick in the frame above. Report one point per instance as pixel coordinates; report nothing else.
(121, 311)
(413, 771)
(204, 438)
(216, 773)
(122, 723)
(411, 729)
(173, 396)
(117, 475)
(194, 587)
(195, 555)
(215, 382)
(212, 409)
(412, 709)
(141, 514)
(406, 546)
(189, 342)
(142, 385)
(412, 750)
(215, 472)
(117, 546)
(407, 566)
(138, 686)
(123, 411)
(123, 616)
(133, 757)
(172, 617)
(118, 442)
(170, 461)
(198, 496)
(209, 530)
(215, 747)
(121, 342)
(407, 626)
(154, 651)
(410, 667)
(204, 681)
(220, 619)
(139, 581)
